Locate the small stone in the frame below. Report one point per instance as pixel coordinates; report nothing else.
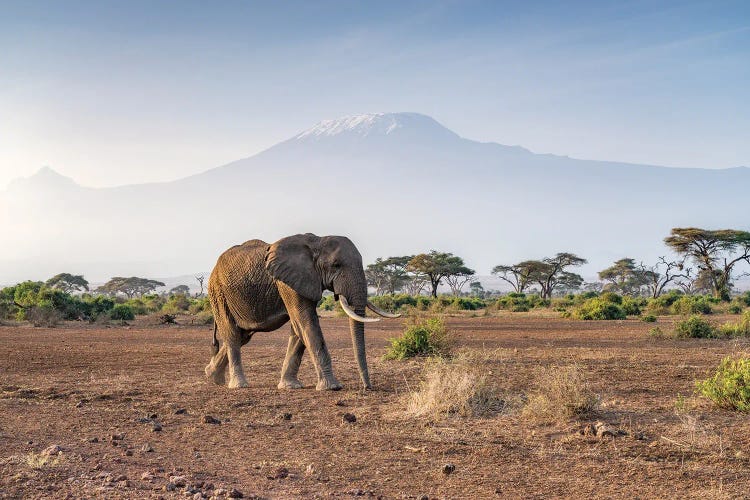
(170, 487)
(235, 493)
(153, 416)
(156, 427)
(120, 477)
(220, 492)
(52, 450)
(285, 416)
(79, 404)
(143, 420)
(424, 497)
(198, 496)
(147, 476)
(448, 469)
(340, 402)
(146, 448)
(279, 473)
(310, 470)
(93, 439)
(181, 411)
(588, 430)
(178, 481)
(208, 419)
(117, 437)
(605, 430)
(349, 418)
(128, 453)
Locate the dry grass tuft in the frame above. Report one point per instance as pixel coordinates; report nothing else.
(458, 386)
(560, 393)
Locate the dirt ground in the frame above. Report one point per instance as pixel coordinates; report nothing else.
(94, 392)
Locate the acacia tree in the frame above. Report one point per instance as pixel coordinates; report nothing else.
(68, 282)
(436, 266)
(549, 273)
(661, 274)
(131, 287)
(180, 289)
(476, 289)
(388, 275)
(624, 277)
(517, 275)
(715, 252)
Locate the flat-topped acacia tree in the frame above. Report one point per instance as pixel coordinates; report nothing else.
(715, 252)
(132, 287)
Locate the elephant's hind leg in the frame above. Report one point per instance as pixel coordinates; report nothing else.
(289, 371)
(217, 367)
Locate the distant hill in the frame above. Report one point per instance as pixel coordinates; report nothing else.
(396, 183)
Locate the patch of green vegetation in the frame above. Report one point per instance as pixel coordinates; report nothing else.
(730, 386)
(420, 338)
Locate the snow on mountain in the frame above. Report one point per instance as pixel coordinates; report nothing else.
(375, 124)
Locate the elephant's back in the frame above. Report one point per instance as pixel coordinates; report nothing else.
(241, 264)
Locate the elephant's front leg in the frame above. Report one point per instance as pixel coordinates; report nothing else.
(293, 358)
(304, 318)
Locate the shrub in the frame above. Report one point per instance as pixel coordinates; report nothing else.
(122, 312)
(43, 316)
(735, 308)
(730, 386)
(694, 327)
(656, 333)
(420, 338)
(744, 299)
(631, 306)
(739, 329)
(599, 309)
(560, 393)
(611, 297)
(454, 387)
(393, 303)
(649, 318)
(175, 304)
(692, 305)
(663, 303)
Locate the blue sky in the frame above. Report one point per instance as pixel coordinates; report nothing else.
(122, 92)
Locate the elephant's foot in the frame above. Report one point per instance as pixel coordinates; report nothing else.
(237, 382)
(290, 384)
(328, 385)
(214, 375)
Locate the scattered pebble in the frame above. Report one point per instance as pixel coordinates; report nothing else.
(153, 416)
(208, 419)
(285, 416)
(178, 481)
(349, 418)
(147, 476)
(181, 411)
(146, 448)
(52, 450)
(340, 402)
(234, 493)
(93, 439)
(155, 427)
(117, 437)
(448, 469)
(128, 453)
(279, 473)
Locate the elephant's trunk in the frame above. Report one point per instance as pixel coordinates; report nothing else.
(358, 343)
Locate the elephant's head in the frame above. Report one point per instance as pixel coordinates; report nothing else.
(310, 264)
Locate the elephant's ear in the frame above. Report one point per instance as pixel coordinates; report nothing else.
(291, 260)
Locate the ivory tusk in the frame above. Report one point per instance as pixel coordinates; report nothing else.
(381, 312)
(349, 312)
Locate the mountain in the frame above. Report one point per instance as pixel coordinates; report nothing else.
(396, 183)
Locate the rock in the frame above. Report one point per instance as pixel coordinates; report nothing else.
(235, 493)
(181, 411)
(120, 477)
(279, 473)
(285, 416)
(153, 416)
(93, 439)
(198, 496)
(143, 420)
(448, 469)
(588, 430)
(52, 450)
(340, 402)
(155, 427)
(424, 497)
(117, 437)
(348, 418)
(147, 476)
(79, 404)
(146, 448)
(605, 430)
(220, 492)
(178, 481)
(128, 453)
(208, 419)
(310, 470)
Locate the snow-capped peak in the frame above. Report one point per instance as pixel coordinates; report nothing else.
(373, 124)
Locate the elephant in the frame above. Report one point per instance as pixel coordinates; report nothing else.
(258, 287)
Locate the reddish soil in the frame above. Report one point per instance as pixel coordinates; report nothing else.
(69, 385)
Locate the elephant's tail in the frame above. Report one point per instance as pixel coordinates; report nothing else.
(215, 342)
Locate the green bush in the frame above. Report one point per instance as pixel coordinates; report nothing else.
(611, 297)
(730, 386)
(739, 329)
(735, 308)
(694, 327)
(327, 303)
(744, 299)
(696, 304)
(632, 306)
(393, 303)
(663, 303)
(599, 309)
(122, 312)
(520, 302)
(175, 304)
(420, 338)
(649, 318)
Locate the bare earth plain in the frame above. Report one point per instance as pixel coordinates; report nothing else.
(94, 391)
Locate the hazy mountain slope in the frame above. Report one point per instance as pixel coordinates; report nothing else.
(395, 183)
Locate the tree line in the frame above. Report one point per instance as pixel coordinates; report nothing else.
(706, 263)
